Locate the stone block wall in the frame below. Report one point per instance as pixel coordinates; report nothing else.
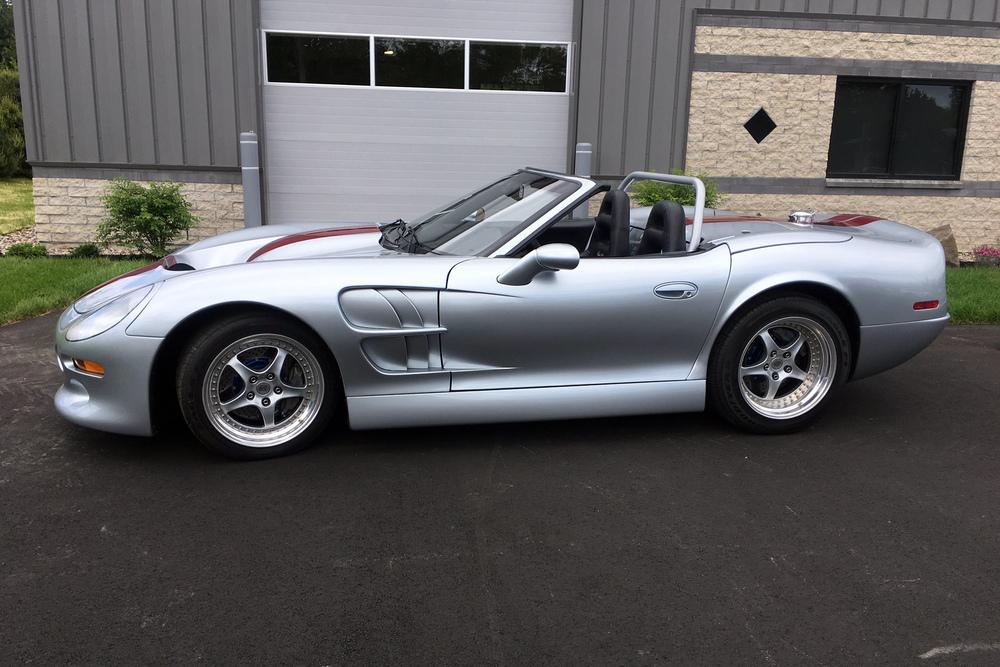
(784, 42)
(721, 102)
(802, 106)
(68, 210)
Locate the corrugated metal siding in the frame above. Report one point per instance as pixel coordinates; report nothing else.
(635, 67)
(349, 154)
(137, 82)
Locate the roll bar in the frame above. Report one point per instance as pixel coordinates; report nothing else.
(699, 199)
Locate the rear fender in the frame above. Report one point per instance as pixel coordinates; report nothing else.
(745, 286)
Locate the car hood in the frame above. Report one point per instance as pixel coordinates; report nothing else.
(278, 242)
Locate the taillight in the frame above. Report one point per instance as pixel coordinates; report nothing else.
(926, 305)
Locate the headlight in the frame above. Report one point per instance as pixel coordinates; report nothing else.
(107, 316)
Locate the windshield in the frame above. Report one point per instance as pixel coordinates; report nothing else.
(480, 222)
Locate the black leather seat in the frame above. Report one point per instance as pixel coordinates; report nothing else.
(664, 229)
(610, 236)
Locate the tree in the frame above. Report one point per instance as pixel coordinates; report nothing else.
(12, 158)
(8, 48)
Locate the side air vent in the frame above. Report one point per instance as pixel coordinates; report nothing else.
(399, 329)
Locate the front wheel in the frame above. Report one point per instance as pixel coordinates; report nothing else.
(256, 386)
(775, 367)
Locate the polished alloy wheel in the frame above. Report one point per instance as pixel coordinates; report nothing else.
(787, 367)
(263, 390)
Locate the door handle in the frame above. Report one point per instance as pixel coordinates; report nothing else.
(675, 291)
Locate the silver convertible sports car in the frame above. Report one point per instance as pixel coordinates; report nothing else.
(509, 304)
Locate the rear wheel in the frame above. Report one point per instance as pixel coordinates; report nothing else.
(775, 366)
(255, 386)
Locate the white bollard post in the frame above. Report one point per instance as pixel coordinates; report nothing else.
(250, 169)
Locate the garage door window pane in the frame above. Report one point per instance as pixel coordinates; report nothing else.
(928, 130)
(419, 63)
(318, 59)
(862, 128)
(506, 66)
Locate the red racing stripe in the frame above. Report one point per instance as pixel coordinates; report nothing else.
(309, 236)
(133, 272)
(848, 220)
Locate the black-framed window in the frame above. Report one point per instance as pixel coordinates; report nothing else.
(293, 58)
(419, 63)
(898, 128)
(517, 66)
(416, 62)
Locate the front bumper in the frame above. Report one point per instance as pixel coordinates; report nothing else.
(117, 402)
(886, 346)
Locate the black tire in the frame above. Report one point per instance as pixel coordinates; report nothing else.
(725, 393)
(195, 362)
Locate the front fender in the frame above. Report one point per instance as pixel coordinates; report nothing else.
(307, 290)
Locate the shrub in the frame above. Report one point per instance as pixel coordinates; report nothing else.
(12, 156)
(9, 83)
(27, 250)
(647, 193)
(85, 250)
(144, 219)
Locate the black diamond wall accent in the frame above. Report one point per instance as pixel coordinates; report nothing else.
(760, 125)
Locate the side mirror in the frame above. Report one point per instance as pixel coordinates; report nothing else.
(552, 257)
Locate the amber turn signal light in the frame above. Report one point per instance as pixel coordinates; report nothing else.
(88, 366)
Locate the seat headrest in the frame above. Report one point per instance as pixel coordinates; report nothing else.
(610, 237)
(664, 229)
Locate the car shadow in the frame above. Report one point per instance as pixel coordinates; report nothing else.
(176, 445)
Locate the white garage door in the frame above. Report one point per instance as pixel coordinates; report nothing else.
(383, 109)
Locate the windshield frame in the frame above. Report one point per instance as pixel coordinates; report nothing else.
(532, 223)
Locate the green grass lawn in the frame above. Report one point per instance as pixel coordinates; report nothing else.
(17, 210)
(974, 295)
(30, 287)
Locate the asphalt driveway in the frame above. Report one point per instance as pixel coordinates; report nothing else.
(872, 538)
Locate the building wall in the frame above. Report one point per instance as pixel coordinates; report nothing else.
(721, 102)
(792, 43)
(68, 210)
(792, 73)
(118, 87)
(137, 83)
(636, 60)
(142, 89)
(343, 154)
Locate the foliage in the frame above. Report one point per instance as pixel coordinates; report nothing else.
(85, 250)
(974, 295)
(30, 287)
(986, 254)
(17, 209)
(10, 82)
(27, 250)
(12, 155)
(144, 219)
(647, 193)
(8, 48)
